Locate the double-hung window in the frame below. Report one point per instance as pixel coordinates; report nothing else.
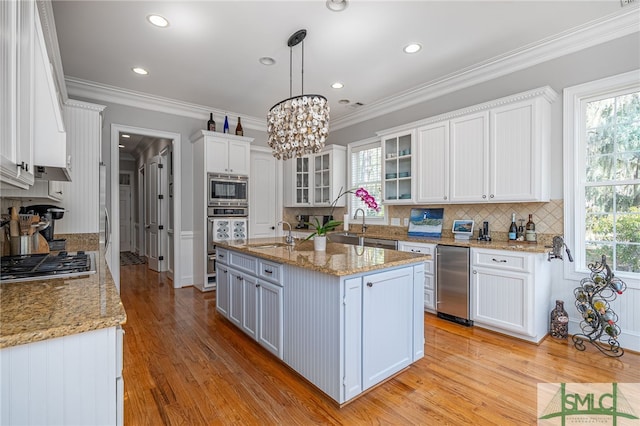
(366, 172)
(602, 174)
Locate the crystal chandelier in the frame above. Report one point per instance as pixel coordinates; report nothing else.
(298, 125)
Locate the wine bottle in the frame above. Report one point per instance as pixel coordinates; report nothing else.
(225, 129)
(530, 232)
(211, 125)
(239, 130)
(513, 229)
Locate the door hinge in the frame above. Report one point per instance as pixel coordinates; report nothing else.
(344, 301)
(160, 197)
(160, 166)
(160, 257)
(160, 226)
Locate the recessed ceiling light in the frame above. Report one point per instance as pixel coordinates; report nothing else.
(412, 48)
(158, 21)
(337, 5)
(125, 136)
(120, 146)
(140, 70)
(343, 101)
(266, 60)
(337, 85)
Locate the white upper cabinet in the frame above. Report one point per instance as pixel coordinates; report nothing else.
(519, 151)
(433, 160)
(493, 152)
(316, 180)
(468, 158)
(17, 52)
(398, 167)
(227, 154)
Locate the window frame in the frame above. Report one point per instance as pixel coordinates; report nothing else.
(574, 147)
(355, 147)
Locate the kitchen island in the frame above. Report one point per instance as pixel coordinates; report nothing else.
(346, 319)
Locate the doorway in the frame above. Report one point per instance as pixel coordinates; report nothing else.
(173, 204)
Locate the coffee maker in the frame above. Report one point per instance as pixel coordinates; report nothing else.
(49, 213)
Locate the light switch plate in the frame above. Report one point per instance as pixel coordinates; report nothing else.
(395, 221)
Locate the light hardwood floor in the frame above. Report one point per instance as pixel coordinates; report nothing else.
(186, 365)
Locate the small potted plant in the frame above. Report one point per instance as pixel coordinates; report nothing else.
(320, 234)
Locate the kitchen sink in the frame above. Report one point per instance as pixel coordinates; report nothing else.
(269, 245)
(346, 238)
(360, 240)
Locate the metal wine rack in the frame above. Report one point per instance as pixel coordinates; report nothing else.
(593, 301)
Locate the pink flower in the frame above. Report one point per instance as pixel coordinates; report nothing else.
(361, 193)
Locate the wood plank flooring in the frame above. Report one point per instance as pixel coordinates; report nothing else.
(186, 365)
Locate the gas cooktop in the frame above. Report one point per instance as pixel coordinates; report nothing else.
(46, 266)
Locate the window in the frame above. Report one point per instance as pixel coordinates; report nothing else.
(602, 189)
(366, 172)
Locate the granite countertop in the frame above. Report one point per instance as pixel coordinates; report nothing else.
(39, 310)
(338, 259)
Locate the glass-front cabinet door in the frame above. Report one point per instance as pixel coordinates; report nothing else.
(322, 179)
(302, 180)
(398, 168)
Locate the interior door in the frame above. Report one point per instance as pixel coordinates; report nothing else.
(125, 218)
(263, 196)
(153, 210)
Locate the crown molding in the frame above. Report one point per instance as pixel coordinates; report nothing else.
(608, 28)
(599, 31)
(105, 93)
(84, 105)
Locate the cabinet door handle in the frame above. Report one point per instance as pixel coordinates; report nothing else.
(239, 278)
(499, 261)
(268, 271)
(221, 256)
(369, 284)
(257, 285)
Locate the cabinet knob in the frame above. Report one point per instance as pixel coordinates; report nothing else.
(257, 285)
(491, 196)
(369, 284)
(239, 278)
(231, 170)
(475, 272)
(484, 196)
(273, 227)
(445, 197)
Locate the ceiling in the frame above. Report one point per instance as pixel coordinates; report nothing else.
(208, 55)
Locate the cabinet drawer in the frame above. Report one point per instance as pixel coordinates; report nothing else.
(429, 282)
(222, 256)
(243, 262)
(270, 271)
(416, 247)
(505, 260)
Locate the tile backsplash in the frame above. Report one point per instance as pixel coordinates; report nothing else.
(548, 217)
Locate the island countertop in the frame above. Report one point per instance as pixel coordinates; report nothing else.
(338, 259)
(39, 310)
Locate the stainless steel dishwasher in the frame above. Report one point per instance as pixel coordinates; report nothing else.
(452, 289)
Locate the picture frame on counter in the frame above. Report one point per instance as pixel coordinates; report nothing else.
(462, 229)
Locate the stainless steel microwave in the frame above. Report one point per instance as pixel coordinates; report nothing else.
(228, 190)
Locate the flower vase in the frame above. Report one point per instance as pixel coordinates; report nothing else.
(320, 243)
(559, 321)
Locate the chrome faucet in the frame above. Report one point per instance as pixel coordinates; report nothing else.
(289, 238)
(355, 216)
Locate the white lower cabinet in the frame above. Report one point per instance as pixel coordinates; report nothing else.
(510, 292)
(247, 298)
(75, 379)
(429, 271)
(387, 324)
